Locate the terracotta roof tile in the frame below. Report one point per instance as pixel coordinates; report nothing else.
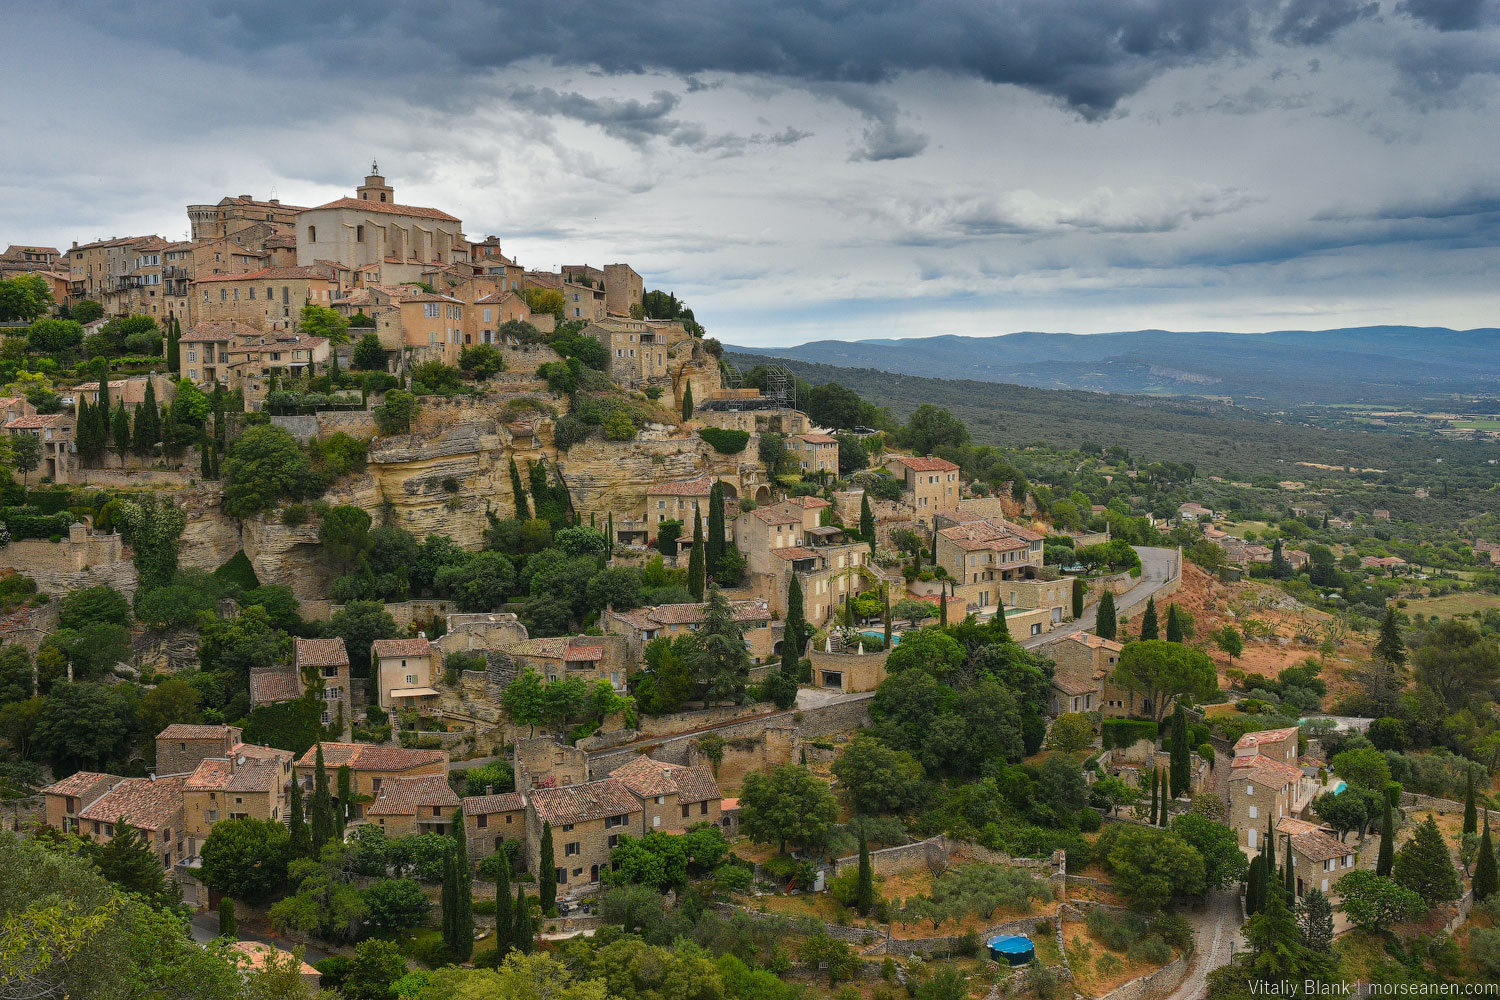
(1265, 736)
(809, 503)
(402, 647)
(321, 652)
(142, 802)
(404, 796)
(369, 757)
(818, 438)
(78, 783)
(794, 552)
(388, 208)
(479, 805)
(917, 463)
(183, 731)
(646, 777)
(1264, 769)
(781, 513)
(38, 421)
(699, 487)
(211, 774)
(274, 684)
(581, 803)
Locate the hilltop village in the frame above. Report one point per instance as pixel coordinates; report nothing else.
(383, 617)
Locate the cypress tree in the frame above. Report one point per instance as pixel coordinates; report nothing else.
(1425, 867)
(885, 595)
(447, 900)
(522, 938)
(205, 459)
(460, 924)
(1155, 791)
(943, 605)
(864, 890)
(1387, 840)
(1255, 884)
(866, 520)
(1149, 628)
(174, 351)
(715, 540)
(346, 794)
(221, 429)
(1389, 646)
(1273, 874)
(1471, 814)
(687, 402)
(226, 917)
(299, 845)
(102, 407)
(1078, 597)
(322, 809)
(1181, 760)
(148, 424)
(1174, 624)
(214, 471)
(1106, 625)
(547, 872)
(609, 531)
(1289, 875)
(696, 558)
(794, 635)
(1485, 878)
(120, 429)
(504, 910)
(1165, 799)
(518, 491)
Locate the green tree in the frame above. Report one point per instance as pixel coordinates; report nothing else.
(25, 454)
(715, 539)
(723, 665)
(877, 779)
(1364, 766)
(1424, 866)
(322, 825)
(299, 843)
(1255, 885)
(345, 800)
(795, 633)
(394, 415)
(866, 520)
(1485, 879)
(1389, 647)
(1149, 627)
(786, 805)
(523, 938)
(1457, 662)
(83, 727)
(245, 858)
(1316, 919)
(1070, 733)
(152, 526)
(1152, 866)
(1174, 624)
(1277, 952)
(1374, 901)
(820, 951)
(931, 427)
(1181, 770)
(460, 943)
(1078, 595)
(227, 926)
(344, 531)
(1471, 813)
(687, 402)
(864, 892)
(504, 908)
(320, 321)
(524, 699)
(1162, 671)
(1386, 860)
(547, 871)
(120, 429)
(1224, 863)
(377, 964)
(696, 561)
(265, 466)
(97, 605)
(1106, 625)
(368, 354)
(518, 492)
(128, 861)
(1155, 796)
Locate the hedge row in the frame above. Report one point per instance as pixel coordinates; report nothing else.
(1126, 732)
(27, 522)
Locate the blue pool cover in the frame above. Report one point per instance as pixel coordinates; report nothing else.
(1014, 948)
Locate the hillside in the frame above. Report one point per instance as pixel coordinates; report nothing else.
(1214, 436)
(1381, 363)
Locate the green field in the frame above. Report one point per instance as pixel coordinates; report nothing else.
(1477, 424)
(1454, 604)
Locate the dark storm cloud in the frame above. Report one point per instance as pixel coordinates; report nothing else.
(1088, 54)
(1451, 15)
(1313, 22)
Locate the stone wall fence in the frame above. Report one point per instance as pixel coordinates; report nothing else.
(1443, 807)
(1154, 985)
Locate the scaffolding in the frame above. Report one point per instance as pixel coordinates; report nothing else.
(781, 385)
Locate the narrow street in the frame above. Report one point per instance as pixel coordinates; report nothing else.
(1156, 569)
(205, 927)
(1216, 933)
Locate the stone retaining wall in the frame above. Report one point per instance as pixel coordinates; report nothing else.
(1157, 984)
(1411, 800)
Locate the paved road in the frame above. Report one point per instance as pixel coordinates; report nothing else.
(205, 927)
(1216, 933)
(1157, 565)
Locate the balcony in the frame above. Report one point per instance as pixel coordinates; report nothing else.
(174, 271)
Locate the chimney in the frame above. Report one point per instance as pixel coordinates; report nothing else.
(152, 775)
(489, 789)
(421, 635)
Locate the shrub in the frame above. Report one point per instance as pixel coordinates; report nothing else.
(725, 442)
(1152, 950)
(1126, 732)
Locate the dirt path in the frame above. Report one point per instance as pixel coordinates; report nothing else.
(1215, 933)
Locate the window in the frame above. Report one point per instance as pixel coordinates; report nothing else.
(359, 234)
(562, 876)
(482, 822)
(1254, 813)
(430, 310)
(614, 841)
(312, 234)
(572, 849)
(685, 809)
(411, 678)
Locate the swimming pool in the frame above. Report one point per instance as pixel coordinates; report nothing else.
(1016, 949)
(1339, 787)
(880, 636)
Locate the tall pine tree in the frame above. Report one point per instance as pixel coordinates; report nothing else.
(1181, 773)
(298, 845)
(1149, 627)
(119, 429)
(794, 635)
(1485, 878)
(1389, 646)
(227, 927)
(1107, 625)
(523, 939)
(547, 872)
(1471, 814)
(1425, 867)
(1174, 624)
(866, 520)
(322, 807)
(1255, 884)
(174, 351)
(687, 402)
(696, 558)
(518, 492)
(128, 861)
(458, 894)
(864, 886)
(1387, 839)
(715, 541)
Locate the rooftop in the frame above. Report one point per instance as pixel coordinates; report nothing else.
(404, 796)
(646, 777)
(321, 652)
(917, 463)
(582, 803)
(478, 805)
(387, 208)
(271, 684)
(368, 757)
(401, 647)
(144, 803)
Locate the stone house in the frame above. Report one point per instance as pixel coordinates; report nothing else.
(55, 432)
(243, 786)
(180, 747)
(1278, 744)
(240, 355)
(787, 538)
(1081, 678)
(673, 797)
(1318, 858)
(623, 287)
(587, 822)
(816, 452)
(847, 671)
(241, 214)
(542, 762)
(928, 485)
(639, 352)
(405, 671)
(90, 804)
(592, 657)
(1262, 791)
(1189, 512)
(329, 660)
(581, 301)
(491, 820)
(676, 501)
(370, 766)
(642, 625)
(980, 554)
(406, 806)
(269, 685)
(268, 299)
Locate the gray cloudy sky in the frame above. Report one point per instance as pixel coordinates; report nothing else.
(823, 168)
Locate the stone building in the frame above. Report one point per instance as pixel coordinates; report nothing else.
(816, 452)
(641, 352)
(928, 485)
(405, 671)
(787, 538)
(56, 433)
(268, 299)
(591, 657)
(372, 228)
(1318, 857)
(1262, 792)
(181, 747)
(491, 820)
(674, 798)
(91, 804)
(242, 217)
(370, 766)
(64, 801)
(587, 821)
(640, 626)
(328, 660)
(542, 762)
(269, 685)
(239, 786)
(406, 806)
(1080, 680)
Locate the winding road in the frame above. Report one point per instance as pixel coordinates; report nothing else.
(1215, 935)
(1158, 567)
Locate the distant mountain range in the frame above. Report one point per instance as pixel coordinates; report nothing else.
(1360, 364)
